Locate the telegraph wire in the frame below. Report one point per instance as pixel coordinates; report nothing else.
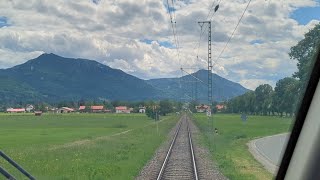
(239, 21)
(204, 27)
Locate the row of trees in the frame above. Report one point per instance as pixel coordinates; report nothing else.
(268, 101)
(287, 94)
(163, 108)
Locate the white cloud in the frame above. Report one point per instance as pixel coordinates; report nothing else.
(111, 32)
(252, 83)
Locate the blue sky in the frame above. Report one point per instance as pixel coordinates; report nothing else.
(3, 21)
(306, 14)
(257, 41)
(161, 43)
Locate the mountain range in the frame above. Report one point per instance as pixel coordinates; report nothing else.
(195, 86)
(52, 78)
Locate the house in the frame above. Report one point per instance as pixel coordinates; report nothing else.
(107, 111)
(202, 108)
(82, 109)
(142, 109)
(53, 110)
(93, 109)
(122, 109)
(65, 110)
(220, 107)
(96, 109)
(16, 110)
(29, 108)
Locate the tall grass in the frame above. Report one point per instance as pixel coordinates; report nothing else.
(229, 147)
(81, 146)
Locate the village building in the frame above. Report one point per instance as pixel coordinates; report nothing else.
(202, 108)
(16, 110)
(93, 109)
(96, 109)
(220, 107)
(82, 109)
(142, 109)
(65, 110)
(53, 110)
(107, 111)
(122, 109)
(29, 108)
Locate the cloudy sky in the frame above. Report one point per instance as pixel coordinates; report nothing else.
(136, 36)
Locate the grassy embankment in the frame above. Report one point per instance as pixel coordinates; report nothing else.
(229, 148)
(81, 146)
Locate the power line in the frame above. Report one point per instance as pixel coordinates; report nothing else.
(215, 9)
(205, 27)
(173, 22)
(233, 31)
(210, 10)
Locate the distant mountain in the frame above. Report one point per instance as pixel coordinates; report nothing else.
(185, 87)
(52, 78)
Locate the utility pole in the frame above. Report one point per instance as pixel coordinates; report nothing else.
(196, 89)
(210, 100)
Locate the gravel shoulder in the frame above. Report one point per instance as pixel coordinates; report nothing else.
(207, 169)
(151, 169)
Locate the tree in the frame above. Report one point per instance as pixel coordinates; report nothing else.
(304, 53)
(263, 98)
(165, 107)
(41, 107)
(192, 106)
(87, 109)
(108, 105)
(285, 96)
(250, 100)
(152, 111)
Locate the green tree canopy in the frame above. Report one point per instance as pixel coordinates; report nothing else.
(304, 53)
(165, 107)
(285, 96)
(263, 98)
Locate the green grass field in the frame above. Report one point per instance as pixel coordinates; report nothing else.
(81, 146)
(229, 148)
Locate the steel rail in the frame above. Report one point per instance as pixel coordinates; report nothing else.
(192, 155)
(168, 153)
(6, 174)
(194, 165)
(16, 165)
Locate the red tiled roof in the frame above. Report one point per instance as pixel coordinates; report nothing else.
(121, 108)
(68, 109)
(16, 110)
(219, 107)
(202, 107)
(96, 107)
(82, 107)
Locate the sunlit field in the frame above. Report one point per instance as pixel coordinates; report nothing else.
(229, 148)
(81, 146)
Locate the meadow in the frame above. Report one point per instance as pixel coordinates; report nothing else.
(229, 147)
(81, 146)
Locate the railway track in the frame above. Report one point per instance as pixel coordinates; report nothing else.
(180, 161)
